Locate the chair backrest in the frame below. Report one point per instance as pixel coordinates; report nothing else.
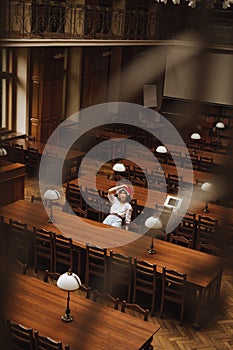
(79, 212)
(206, 164)
(136, 308)
(145, 280)
(174, 181)
(208, 248)
(194, 161)
(206, 229)
(173, 285)
(63, 252)
(120, 272)
(187, 227)
(44, 247)
(138, 182)
(106, 297)
(18, 153)
(157, 182)
(73, 195)
(19, 337)
(19, 240)
(96, 264)
(93, 204)
(33, 161)
(173, 289)
(181, 240)
(46, 343)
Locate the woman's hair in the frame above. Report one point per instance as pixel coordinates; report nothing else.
(128, 198)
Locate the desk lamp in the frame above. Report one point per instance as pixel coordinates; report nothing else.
(195, 137)
(206, 187)
(219, 127)
(52, 196)
(70, 282)
(118, 168)
(154, 224)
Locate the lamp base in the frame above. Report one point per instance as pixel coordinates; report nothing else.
(67, 318)
(151, 251)
(51, 220)
(205, 210)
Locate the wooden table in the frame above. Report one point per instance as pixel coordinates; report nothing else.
(35, 215)
(203, 270)
(94, 326)
(12, 177)
(189, 176)
(151, 198)
(59, 151)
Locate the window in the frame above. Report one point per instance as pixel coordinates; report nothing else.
(6, 89)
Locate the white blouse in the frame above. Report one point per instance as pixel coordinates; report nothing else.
(122, 209)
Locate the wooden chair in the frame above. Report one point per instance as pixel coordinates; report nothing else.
(194, 162)
(54, 277)
(52, 167)
(175, 159)
(19, 337)
(73, 196)
(181, 240)
(207, 147)
(5, 240)
(136, 308)
(20, 244)
(173, 289)
(157, 182)
(18, 155)
(96, 265)
(145, 281)
(42, 343)
(139, 182)
(173, 182)
(106, 297)
(21, 267)
(105, 209)
(120, 272)
(206, 164)
(78, 211)
(93, 205)
(44, 248)
(187, 227)
(33, 162)
(208, 248)
(63, 253)
(206, 230)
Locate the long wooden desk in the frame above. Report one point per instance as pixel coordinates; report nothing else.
(169, 169)
(59, 151)
(152, 197)
(203, 270)
(94, 326)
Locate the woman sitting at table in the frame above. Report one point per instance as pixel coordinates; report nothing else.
(121, 209)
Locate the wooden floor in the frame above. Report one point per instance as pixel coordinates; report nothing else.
(216, 335)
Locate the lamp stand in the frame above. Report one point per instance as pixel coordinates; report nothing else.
(51, 219)
(151, 249)
(205, 209)
(67, 317)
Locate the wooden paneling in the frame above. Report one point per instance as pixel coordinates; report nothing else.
(11, 182)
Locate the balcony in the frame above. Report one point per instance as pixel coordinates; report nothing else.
(44, 19)
(64, 20)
